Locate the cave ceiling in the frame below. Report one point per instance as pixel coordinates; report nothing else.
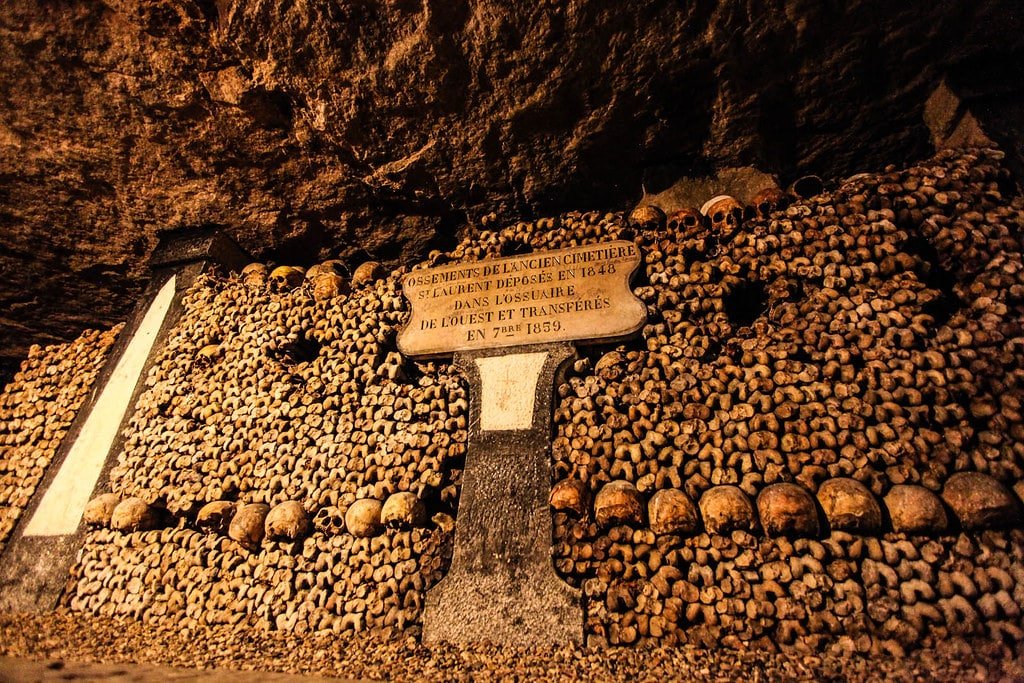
(314, 128)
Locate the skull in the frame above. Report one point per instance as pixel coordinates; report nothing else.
(610, 366)
(100, 509)
(671, 511)
(208, 355)
(367, 274)
(134, 514)
(725, 214)
(647, 218)
(725, 509)
(807, 186)
(247, 525)
(571, 495)
(768, 200)
(255, 275)
(618, 502)
(214, 518)
(328, 285)
(787, 510)
(686, 222)
(334, 266)
(329, 520)
(363, 518)
(286, 522)
(284, 278)
(403, 511)
(849, 506)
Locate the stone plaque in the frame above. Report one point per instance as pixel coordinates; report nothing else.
(578, 294)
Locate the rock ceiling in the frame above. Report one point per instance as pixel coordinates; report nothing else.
(318, 128)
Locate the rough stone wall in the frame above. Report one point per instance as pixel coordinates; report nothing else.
(870, 333)
(36, 409)
(318, 127)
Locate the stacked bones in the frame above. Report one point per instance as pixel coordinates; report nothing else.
(36, 410)
(282, 465)
(817, 428)
(808, 376)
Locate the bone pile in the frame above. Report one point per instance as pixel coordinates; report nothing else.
(816, 442)
(279, 466)
(819, 436)
(36, 410)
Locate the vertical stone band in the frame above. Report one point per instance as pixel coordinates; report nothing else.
(61, 507)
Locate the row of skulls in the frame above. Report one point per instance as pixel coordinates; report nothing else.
(249, 524)
(723, 214)
(325, 280)
(977, 501)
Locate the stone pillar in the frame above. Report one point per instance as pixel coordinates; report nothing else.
(502, 585)
(42, 549)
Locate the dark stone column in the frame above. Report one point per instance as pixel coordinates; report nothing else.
(502, 585)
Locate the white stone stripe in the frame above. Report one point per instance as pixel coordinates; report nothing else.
(508, 387)
(62, 506)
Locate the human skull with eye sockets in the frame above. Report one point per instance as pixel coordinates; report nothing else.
(725, 214)
(572, 496)
(255, 275)
(367, 273)
(325, 280)
(686, 222)
(403, 511)
(285, 278)
(647, 218)
(208, 355)
(329, 520)
(768, 200)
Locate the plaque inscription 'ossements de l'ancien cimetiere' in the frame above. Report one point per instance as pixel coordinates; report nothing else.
(576, 294)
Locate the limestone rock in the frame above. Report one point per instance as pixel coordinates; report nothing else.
(286, 522)
(980, 501)
(350, 131)
(403, 510)
(215, 517)
(133, 514)
(618, 502)
(363, 518)
(99, 510)
(572, 496)
(725, 509)
(787, 510)
(247, 524)
(915, 510)
(670, 511)
(849, 506)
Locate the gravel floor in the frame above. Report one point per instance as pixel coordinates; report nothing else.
(79, 638)
(23, 670)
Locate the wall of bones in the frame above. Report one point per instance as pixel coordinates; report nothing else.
(817, 439)
(36, 409)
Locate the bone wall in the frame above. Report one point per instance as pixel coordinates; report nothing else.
(269, 405)
(36, 409)
(780, 459)
(869, 334)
